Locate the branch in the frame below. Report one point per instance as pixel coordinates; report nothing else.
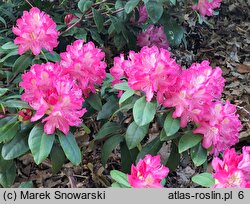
(242, 108)
(27, 1)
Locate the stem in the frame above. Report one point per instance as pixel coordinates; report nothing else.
(89, 17)
(98, 3)
(73, 25)
(44, 56)
(27, 1)
(242, 108)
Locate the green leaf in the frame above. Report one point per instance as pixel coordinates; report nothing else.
(144, 111)
(171, 125)
(164, 137)
(95, 101)
(84, 5)
(80, 34)
(128, 157)
(174, 158)
(22, 63)
(198, 155)
(70, 147)
(16, 147)
(173, 2)
(7, 178)
(109, 145)
(16, 104)
(9, 46)
(4, 164)
(40, 143)
(122, 86)
(54, 57)
(96, 37)
(116, 23)
(9, 130)
(130, 5)
(155, 10)
(119, 41)
(3, 21)
(204, 179)
(10, 54)
(188, 140)
(28, 184)
(174, 32)
(120, 177)
(151, 148)
(99, 20)
(57, 157)
(135, 134)
(127, 94)
(108, 108)
(117, 185)
(3, 91)
(107, 129)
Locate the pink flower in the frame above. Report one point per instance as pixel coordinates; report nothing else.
(228, 173)
(149, 70)
(83, 62)
(244, 164)
(220, 126)
(35, 30)
(193, 91)
(206, 7)
(148, 173)
(54, 95)
(153, 36)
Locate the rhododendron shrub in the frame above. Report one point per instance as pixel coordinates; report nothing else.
(35, 30)
(105, 71)
(196, 119)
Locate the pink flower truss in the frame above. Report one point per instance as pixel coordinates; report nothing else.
(233, 171)
(149, 70)
(206, 7)
(220, 126)
(54, 95)
(193, 92)
(148, 173)
(35, 30)
(153, 36)
(83, 62)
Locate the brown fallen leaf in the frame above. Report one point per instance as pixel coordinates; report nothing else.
(243, 68)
